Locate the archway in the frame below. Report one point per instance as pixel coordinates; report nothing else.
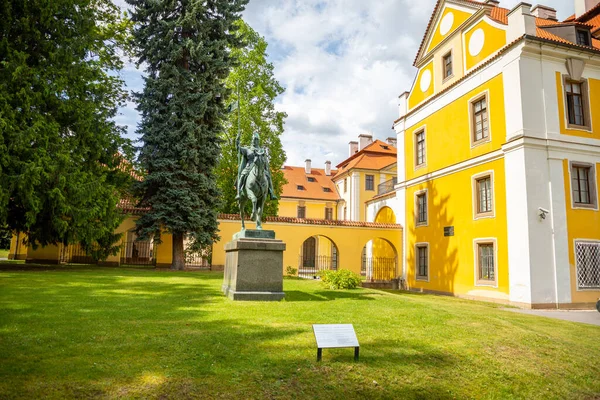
(317, 253)
(137, 252)
(385, 216)
(379, 260)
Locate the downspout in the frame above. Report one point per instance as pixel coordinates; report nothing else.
(549, 183)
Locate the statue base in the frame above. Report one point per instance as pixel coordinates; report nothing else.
(254, 234)
(254, 268)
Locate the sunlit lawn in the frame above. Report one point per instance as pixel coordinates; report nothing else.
(96, 332)
(3, 253)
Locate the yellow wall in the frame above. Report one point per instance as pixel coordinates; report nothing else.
(581, 224)
(494, 40)
(315, 209)
(417, 96)
(349, 240)
(594, 100)
(452, 262)
(47, 255)
(459, 18)
(450, 128)
(18, 248)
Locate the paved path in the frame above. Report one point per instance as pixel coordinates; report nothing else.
(584, 316)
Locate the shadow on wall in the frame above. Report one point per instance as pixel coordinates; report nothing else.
(442, 259)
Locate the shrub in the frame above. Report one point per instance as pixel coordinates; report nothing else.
(290, 271)
(341, 279)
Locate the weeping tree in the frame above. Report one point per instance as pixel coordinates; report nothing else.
(61, 153)
(186, 48)
(254, 90)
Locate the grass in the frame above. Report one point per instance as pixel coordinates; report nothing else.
(4, 253)
(94, 332)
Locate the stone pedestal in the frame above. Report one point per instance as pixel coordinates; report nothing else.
(254, 267)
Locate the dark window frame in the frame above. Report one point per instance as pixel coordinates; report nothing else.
(369, 182)
(577, 102)
(422, 215)
(486, 209)
(420, 146)
(301, 212)
(447, 65)
(590, 189)
(329, 213)
(583, 37)
(422, 261)
(483, 116)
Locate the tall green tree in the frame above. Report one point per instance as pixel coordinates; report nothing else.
(60, 149)
(254, 79)
(186, 47)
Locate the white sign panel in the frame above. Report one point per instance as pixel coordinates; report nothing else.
(332, 336)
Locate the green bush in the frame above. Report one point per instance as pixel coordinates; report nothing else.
(290, 271)
(341, 279)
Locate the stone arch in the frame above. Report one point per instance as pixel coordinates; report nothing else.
(379, 260)
(317, 252)
(385, 215)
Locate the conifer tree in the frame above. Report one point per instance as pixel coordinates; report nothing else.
(254, 89)
(60, 179)
(185, 46)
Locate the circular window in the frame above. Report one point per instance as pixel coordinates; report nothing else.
(476, 42)
(446, 23)
(425, 80)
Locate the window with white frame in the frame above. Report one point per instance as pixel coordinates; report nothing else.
(421, 204)
(576, 102)
(583, 185)
(587, 261)
(483, 195)
(481, 126)
(422, 256)
(420, 148)
(485, 259)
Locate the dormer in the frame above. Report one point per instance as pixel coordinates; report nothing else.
(573, 32)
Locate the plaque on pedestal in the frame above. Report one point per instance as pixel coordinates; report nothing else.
(254, 267)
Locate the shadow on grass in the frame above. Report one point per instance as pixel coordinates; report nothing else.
(327, 295)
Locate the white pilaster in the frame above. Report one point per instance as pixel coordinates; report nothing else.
(355, 202)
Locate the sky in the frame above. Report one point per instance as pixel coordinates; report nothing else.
(343, 64)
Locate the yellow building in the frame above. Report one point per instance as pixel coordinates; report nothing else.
(498, 148)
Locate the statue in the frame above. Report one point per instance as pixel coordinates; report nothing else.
(254, 179)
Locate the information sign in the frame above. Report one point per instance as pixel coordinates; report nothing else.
(330, 336)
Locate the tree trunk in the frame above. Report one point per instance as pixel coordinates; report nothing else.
(178, 255)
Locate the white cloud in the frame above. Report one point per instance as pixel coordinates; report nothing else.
(343, 63)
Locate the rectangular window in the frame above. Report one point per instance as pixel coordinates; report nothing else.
(311, 179)
(583, 38)
(583, 186)
(575, 103)
(587, 260)
(448, 65)
(422, 208)
(481, 129)
(422, 261)
(484, 195)
(345, 214)
(328, 213)
(345, 185)
(301, 211)
(420, 148)
(369, 182)
(486, 265)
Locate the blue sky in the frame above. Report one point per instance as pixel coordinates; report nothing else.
(343, 64)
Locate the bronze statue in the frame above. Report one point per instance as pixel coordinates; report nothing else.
(254, 179)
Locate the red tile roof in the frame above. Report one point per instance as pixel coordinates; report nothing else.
(590, 19)
(375, 156)
(306, 221)
(322, 188)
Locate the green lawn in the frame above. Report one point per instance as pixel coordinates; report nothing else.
(4, 253)
(105, 333)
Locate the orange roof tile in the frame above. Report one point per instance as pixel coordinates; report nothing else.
(322, 188)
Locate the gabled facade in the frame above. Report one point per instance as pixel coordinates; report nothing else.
(498, 148)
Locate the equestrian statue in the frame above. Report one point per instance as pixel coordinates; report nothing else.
(254, 179)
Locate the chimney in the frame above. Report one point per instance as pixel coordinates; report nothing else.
(307, 166)
(520, 22)
(353, 148)
(364, 141)
(544, 12)
(583, 6)
(391, 141)
(328, 168)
